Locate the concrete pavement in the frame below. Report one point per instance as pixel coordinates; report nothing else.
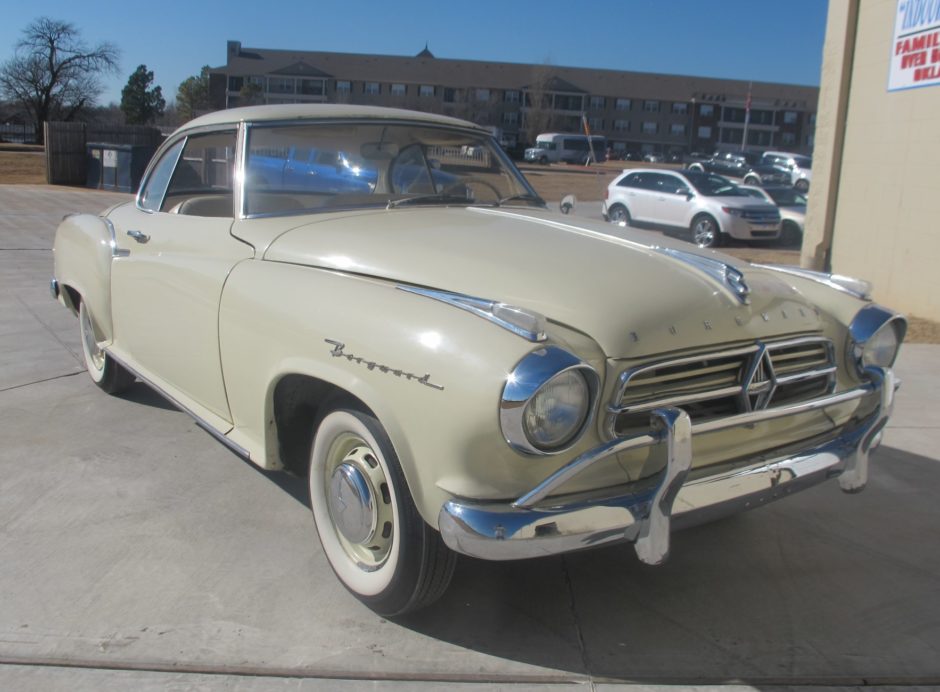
(138, 553)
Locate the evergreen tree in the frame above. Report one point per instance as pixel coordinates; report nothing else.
(140, 103)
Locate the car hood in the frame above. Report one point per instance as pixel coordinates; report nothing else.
(634, 293)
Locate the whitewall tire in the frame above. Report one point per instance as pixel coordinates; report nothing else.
(372, 535)
(103, 369)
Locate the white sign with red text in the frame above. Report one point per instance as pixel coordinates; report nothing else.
(915, 51)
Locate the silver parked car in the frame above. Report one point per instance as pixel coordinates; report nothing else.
(792, 205)
(707, 206)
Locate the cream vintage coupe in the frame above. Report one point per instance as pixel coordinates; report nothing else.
(378, 300)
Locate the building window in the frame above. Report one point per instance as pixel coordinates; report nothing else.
(706, 110)
(482, 94)
(621, 125)
(568, 103)
(650, 128)
(788, 138)
(371, 88)
(651, 106)
(311, 87)
(235, 83)
(596, 123)
(677, 129)
(281, 85)
(623, 104)
(812, 118)
(598, 103)
(789, 117)
(426, 90)
(680, 108)
(511, 118)
(810, 140)
(343, 87)
(511, 96)
(704, 132)
(450, 95)
(398, 90)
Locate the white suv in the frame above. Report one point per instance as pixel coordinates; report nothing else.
(708, 207)
(799, 167)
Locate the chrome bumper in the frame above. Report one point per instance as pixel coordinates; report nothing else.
(648, 510)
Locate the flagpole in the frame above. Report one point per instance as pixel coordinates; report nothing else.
(747, 115)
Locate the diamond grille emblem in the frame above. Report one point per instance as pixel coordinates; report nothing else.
(760, 381)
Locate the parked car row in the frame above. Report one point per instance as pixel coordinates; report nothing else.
(771, 168)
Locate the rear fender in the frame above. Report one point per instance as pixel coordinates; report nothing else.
(84, 247)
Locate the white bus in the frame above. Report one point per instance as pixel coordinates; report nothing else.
(551, 147)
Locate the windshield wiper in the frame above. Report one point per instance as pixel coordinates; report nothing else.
(524, 197)
(430, 197)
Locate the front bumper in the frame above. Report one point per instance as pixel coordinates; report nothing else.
(742, 229)
(647, 511)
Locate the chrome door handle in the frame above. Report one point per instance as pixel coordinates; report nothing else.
(139, 236)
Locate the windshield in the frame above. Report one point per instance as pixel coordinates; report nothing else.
(803, 161)
(712, 185)
(299, 168)
(787, 196)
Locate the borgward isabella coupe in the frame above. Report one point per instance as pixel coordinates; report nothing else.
(378, 300)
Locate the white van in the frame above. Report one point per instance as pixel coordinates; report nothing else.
(552, 147)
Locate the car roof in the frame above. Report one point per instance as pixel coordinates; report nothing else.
(321, 111)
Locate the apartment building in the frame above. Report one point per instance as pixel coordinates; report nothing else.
(637, 112)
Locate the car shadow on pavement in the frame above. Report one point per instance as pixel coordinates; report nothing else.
(821, 586)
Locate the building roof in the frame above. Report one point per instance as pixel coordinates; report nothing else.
(321, 111)
(424, 68)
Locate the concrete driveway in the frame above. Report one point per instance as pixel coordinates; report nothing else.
(137, 553)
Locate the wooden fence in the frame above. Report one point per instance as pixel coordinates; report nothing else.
(66, 146)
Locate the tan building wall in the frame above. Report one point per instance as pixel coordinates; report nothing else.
(874, 209)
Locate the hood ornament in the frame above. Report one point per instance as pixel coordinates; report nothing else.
(731, 279)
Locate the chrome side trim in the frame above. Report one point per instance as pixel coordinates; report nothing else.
(219, 436)
(855, 287)
(113, 244)
(489, 310)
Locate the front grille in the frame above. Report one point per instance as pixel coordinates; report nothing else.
(724, 383)
(760, 216)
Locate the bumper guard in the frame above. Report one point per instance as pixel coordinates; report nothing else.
(649, 509)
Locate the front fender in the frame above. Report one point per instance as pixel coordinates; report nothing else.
(431, 373)
(83, 250)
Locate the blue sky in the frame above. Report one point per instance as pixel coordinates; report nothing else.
(741, 39)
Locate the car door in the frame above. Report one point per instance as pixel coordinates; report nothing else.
(673, 201)
(177, 251)
(636, 193)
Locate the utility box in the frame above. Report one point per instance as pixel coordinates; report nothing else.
(117, 167)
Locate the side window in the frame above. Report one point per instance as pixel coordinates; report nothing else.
(202, 182)
(672, 185)
(152, 194)
(632, 180)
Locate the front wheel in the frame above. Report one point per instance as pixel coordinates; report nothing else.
(802, 185)
(105, 372)
(752, 181)
(618, 214)
(705, 231)
(376, 542)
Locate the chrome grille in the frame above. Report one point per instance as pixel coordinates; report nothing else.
(760, 216)
(724, 383)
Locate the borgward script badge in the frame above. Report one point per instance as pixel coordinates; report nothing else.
(339, 352)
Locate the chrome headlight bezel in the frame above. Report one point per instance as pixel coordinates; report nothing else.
(526, 380)
(867, 327)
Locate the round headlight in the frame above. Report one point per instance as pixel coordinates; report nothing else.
(882, 348)
(555, 414)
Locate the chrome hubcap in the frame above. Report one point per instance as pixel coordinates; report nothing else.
(704, 233)
(351, 504)
(359, 501)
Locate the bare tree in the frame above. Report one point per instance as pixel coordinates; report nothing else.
(53, 73)
(538, 102)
